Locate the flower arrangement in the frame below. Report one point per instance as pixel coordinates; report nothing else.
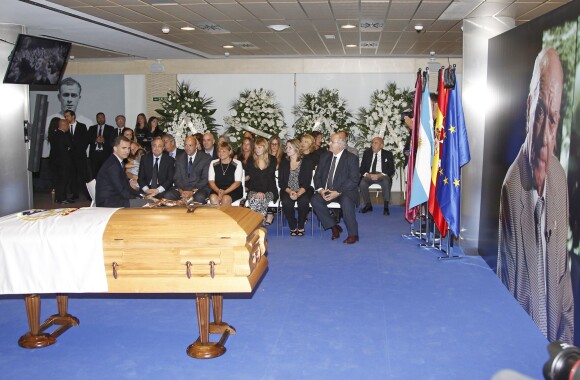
(258, 112)
(185, 113)
(323, 111)
(383, 119)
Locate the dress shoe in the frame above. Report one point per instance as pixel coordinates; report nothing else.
(351, 239)
(366, 209)
(386, 211)
(336, 230)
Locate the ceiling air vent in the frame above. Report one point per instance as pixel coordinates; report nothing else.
(210, 27)
(371, 25)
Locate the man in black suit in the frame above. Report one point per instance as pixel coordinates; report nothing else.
(336, 180)
(113, 189)
(191, 179)
(61, 161)
(377, 166)
(118, 129)
(208, 142)
(80, 143)
(156, 171)
(170, 147)
(99, 143)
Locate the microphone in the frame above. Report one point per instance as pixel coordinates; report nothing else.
(548, 235)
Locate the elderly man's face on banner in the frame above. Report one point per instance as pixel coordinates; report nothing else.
(69, 96)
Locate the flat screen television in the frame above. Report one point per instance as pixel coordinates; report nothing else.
(37, 61)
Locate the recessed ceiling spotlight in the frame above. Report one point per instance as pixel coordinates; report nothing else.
(228, 46)
(348, 26)
(187, 28)
(165, 29)
(418, 28)
(351, 45)
(279, 27)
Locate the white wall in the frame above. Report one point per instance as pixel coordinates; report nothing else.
(15, 180)
(135, 99)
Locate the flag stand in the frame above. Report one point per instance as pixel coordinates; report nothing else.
(449, 253)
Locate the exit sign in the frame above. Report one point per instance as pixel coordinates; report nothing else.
(158, 98)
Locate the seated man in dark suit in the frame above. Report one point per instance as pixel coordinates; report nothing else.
(208, 142)
(156, 171)
(377, 166)
(170, 146)
(99, 143)
(191, 173)
(113, 189)
(336, 180)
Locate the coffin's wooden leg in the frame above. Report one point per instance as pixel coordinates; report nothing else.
(202, 348)
(34, 338)
(62, 319)
(218, 326)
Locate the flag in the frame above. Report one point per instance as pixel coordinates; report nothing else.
(455, 155)
(411, 212)
(434, 209)
(424, 155)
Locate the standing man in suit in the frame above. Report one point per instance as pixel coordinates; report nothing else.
(100, 147)
(80, 143)
(533, 226)
(336, 180)
(112, 188)
(156, 171)
(61, 161)
(118, 129)
(191, 173)
(208, 142)
(377, 166)
(170, 147)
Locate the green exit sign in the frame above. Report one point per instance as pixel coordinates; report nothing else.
(158, 98)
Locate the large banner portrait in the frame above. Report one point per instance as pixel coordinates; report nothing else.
(529, 230)
(86, 95)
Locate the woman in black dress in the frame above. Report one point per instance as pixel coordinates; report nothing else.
(225, 177)
(295, 179)
(262, 172)
(141, 129)
(152, 132)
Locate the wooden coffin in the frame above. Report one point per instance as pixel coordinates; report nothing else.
(176, 250)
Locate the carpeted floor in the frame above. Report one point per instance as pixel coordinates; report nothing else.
(380, 309)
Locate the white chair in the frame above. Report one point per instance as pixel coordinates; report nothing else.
(91, 187)
(377, 188)
(244, 194)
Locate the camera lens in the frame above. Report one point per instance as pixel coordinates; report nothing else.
(564, 362)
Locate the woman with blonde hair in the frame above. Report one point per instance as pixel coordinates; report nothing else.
(295, 178)
(308, 148)
(225, 177)
(261, 169)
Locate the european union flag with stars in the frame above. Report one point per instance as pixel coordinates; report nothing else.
(455, 155)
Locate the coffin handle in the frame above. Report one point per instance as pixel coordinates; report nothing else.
(188, 269)
(115, 265)
(211, 269)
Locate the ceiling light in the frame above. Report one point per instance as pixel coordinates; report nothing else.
(279, 27)
(348, 26)
(351, 45)
(228, 46)
(188, 28)
(165, 29)
(418, 28)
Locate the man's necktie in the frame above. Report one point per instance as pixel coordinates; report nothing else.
(541, 319)
(189, 166)
(155, 173)
(331, 173)
(72, 129)
(99, 134)
(374, 165)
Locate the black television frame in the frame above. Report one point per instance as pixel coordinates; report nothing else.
(30, 44)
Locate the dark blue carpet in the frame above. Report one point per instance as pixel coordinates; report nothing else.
(380, 309)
